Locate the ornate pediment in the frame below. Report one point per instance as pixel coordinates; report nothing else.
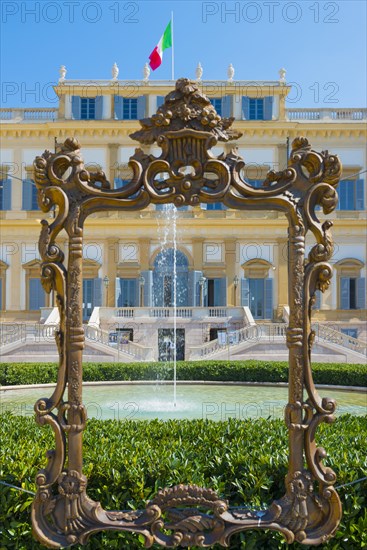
(186, 107)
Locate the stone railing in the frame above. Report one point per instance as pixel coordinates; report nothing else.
(194, 313)
(28, 114)
(328, 114)
(21, 332)
(328, 334)
(140, 353)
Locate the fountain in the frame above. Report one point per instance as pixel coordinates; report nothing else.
(168, 215)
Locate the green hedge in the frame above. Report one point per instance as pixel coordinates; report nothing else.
(127, 462)
(243, 371)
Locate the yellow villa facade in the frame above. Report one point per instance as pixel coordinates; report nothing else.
(232, 266)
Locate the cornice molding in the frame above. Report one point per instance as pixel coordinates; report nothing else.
(110, 129)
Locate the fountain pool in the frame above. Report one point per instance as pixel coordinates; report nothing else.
(218, 401)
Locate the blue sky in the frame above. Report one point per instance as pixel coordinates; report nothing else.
(322, 45)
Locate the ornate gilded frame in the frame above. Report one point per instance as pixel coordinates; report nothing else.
(185, 127)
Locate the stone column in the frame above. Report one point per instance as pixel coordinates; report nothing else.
(112, 161)
(197, 247)
(112, 259)
(282, 112)
(68, 113)
(230, 262)
(16, 185)
(106, 107)
(14, 276)
(61, 110)
(282, 156)
(144, 254)
(281, 264)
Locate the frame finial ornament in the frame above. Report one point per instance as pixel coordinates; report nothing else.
(186, 127)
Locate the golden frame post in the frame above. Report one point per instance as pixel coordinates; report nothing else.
(186, 126)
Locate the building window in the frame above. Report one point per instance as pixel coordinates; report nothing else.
(163, 278)
(351, 195)
(216, 292)
(36, 294)
(352, 293)
(1, 293)
(92, 295)
(127, 293)
(88, 108)
(217, 104)
(353, 332)
(130, 108)
(5, 194)
(30, 194)
(256, 109)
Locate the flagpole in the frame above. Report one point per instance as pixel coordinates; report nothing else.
(173, 50)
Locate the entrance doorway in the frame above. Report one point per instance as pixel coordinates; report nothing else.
(166, 346)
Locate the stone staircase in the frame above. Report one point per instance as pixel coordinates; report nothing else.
(35, 342)
(268, 341)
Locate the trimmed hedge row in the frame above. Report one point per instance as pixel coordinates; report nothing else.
(243, 371)
(127, 462)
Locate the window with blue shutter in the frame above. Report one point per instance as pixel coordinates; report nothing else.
(352, 293)
(118, 107)
(194, 289)
(223, 105)
(29, 195)
(5, 194)
(34, 194)
(361, 293)
(268, 298)
(129, 108)
(359, 195)
(344, 293)
(268, 107)
(245, 108)
(217, 292)
(99, 107)
(245, 293)
(141, 107)
(351, 195)
(36, 294)
(97, 292)
(92, 296)
(88, 108)
(256, 109)
(75, 107)
(217, 104)
(128, 293)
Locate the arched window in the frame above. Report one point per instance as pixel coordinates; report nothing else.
(167, 264)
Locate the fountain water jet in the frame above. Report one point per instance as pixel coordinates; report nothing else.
(169, 240)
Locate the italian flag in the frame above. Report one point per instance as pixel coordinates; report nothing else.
(156, 57)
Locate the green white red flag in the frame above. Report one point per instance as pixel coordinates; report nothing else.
(165, 42)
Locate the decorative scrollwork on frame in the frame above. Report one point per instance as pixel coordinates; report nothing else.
(186, 127)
